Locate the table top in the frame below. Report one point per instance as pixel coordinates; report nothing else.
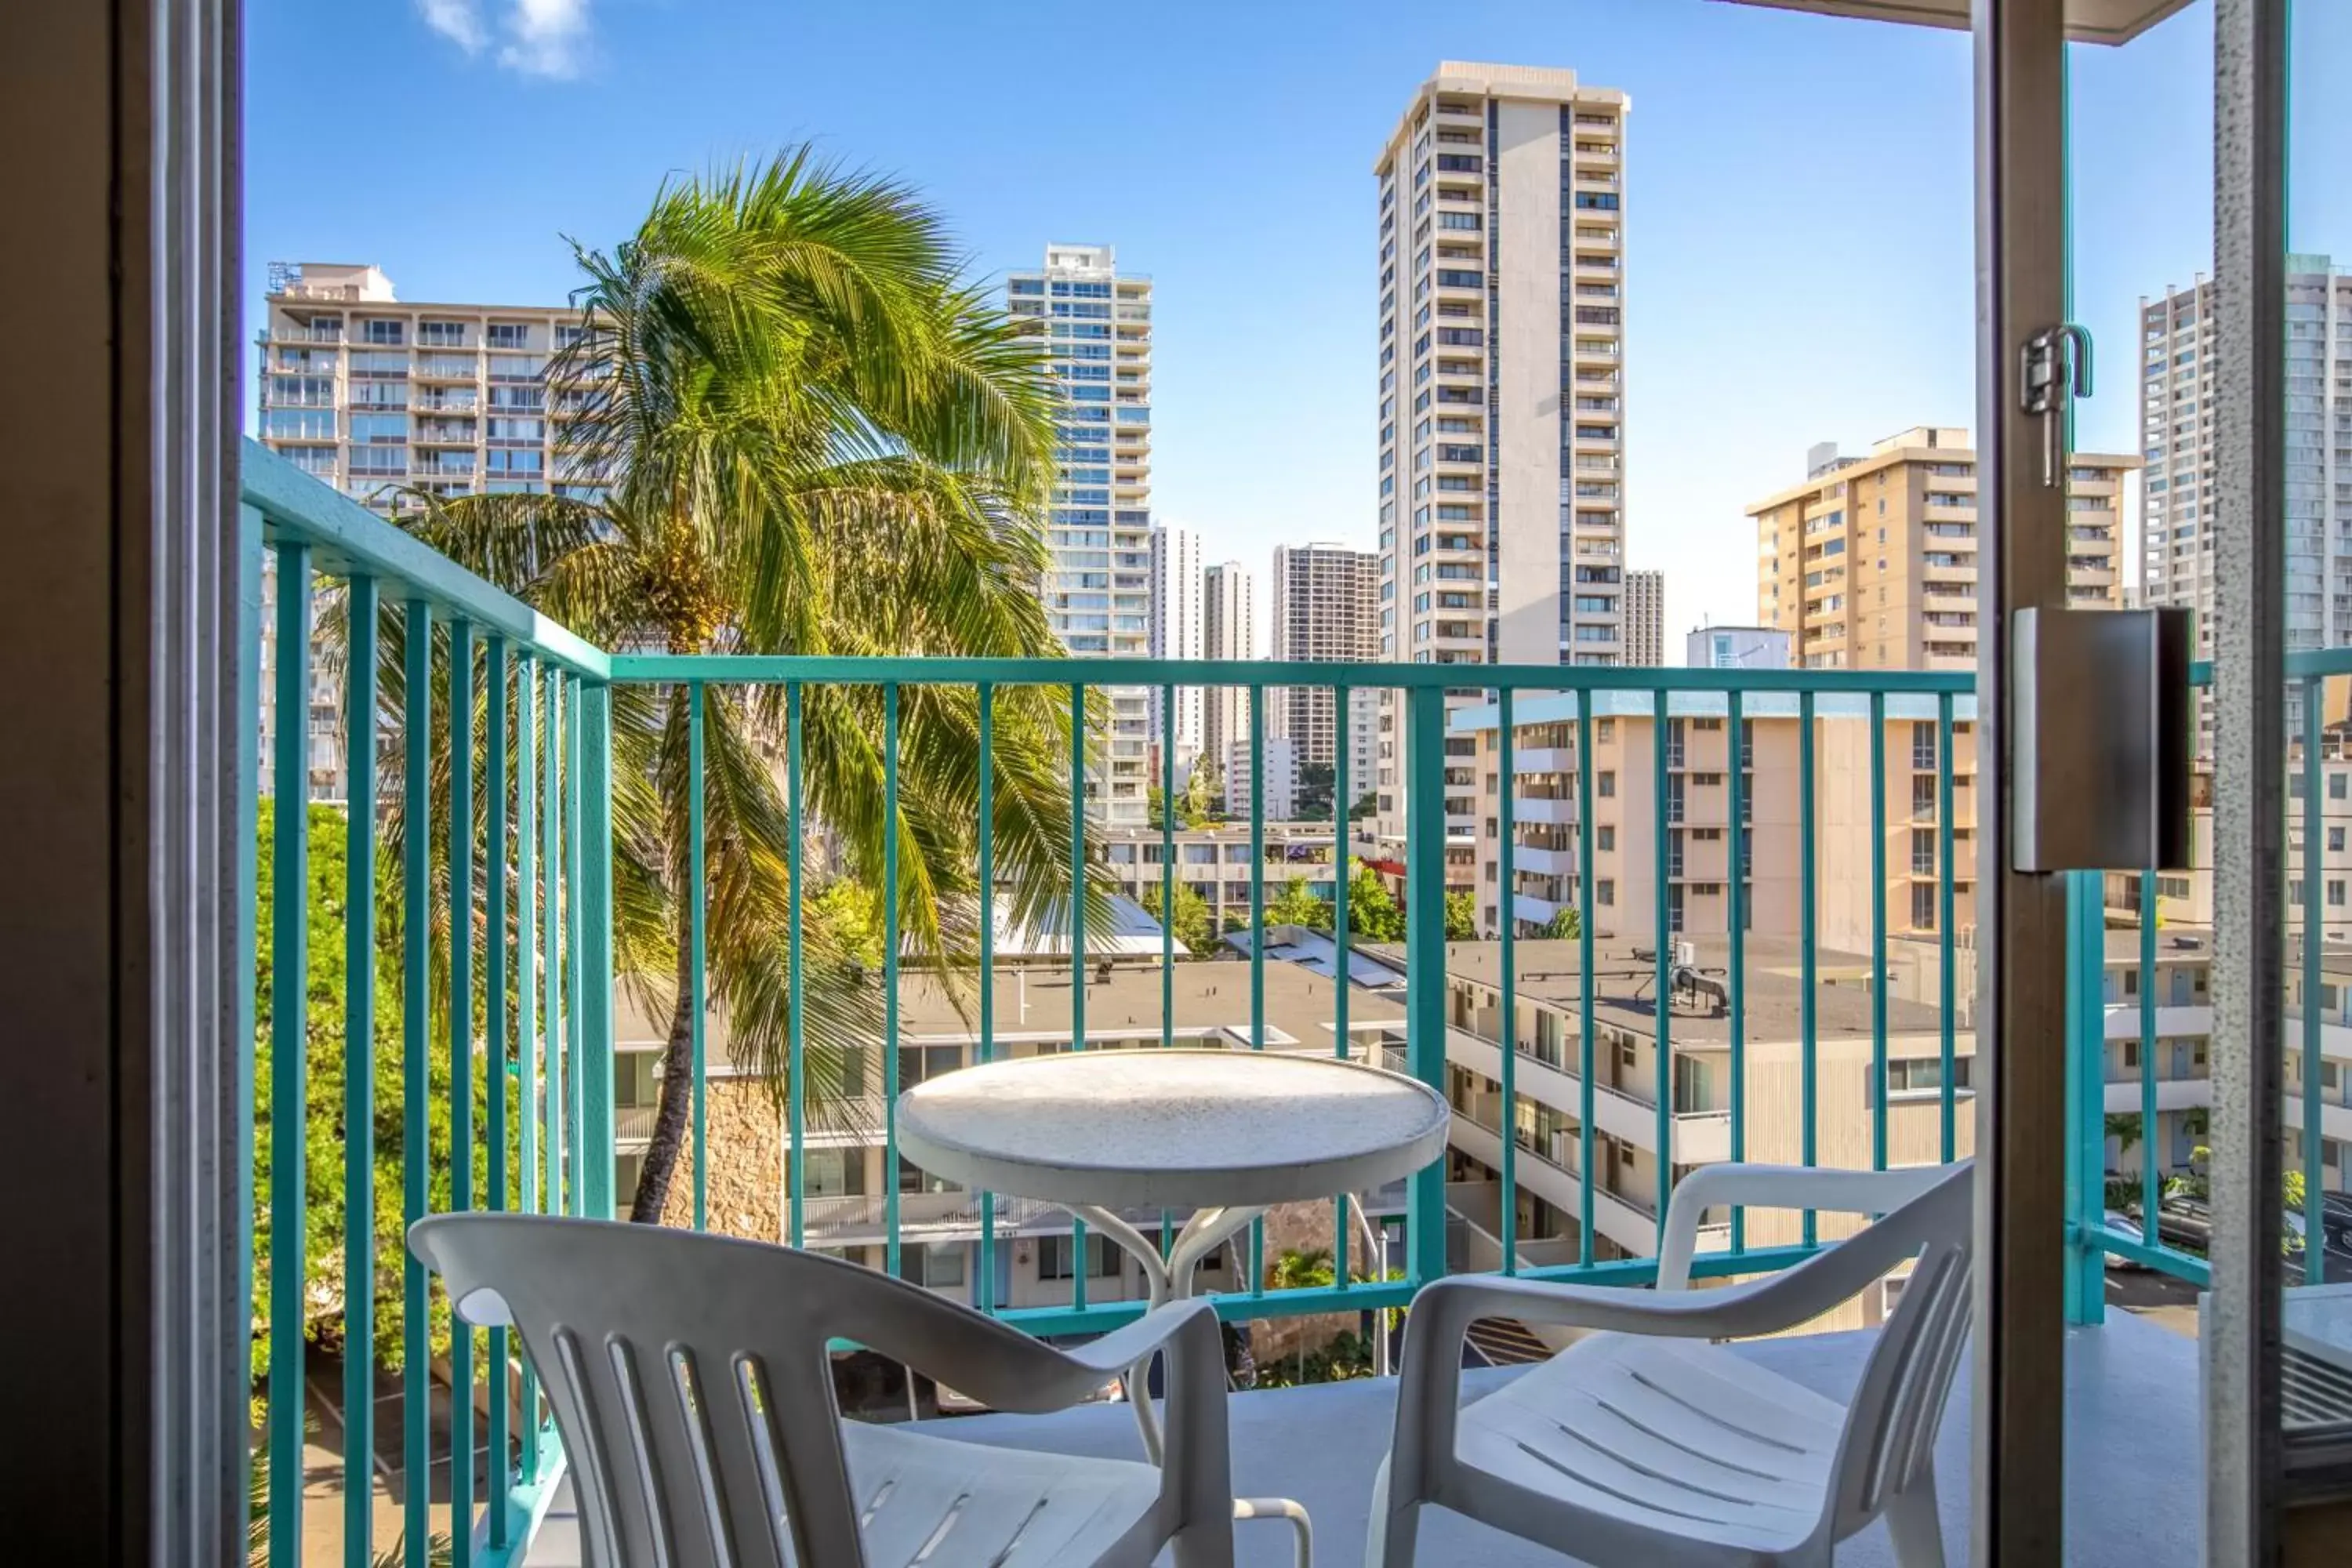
(2317, 1321)
(1172, 1128)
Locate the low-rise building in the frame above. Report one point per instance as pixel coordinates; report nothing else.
(1217, 863)
(1697, 814)
(846, 1159)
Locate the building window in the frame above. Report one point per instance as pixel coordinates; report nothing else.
(1604, 892)
(1053, 1257)
(935, 1266)
(1608, 783)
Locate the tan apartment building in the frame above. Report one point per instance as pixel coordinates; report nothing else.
(1626, 1151)
(1871, 563)
(1327, 610)
(1501, 331)
(369, 392)
(1698, 757)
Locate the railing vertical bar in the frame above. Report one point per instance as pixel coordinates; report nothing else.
(1167, 873)
(1078, 937)
(1947, 876)
(1808, 961)
(1736, 741)
(795, 1070)
(2083, 1283)
(1878, 931)
(2150, 1192)
(289, 1052)
(1167, 902)
(495, 1041)
(245, 1087)
(1507, 905)
(890, 979)
(1659, 725)
(552, 1023)
(2314, 933)
(1585, 1253)
(697, 915)
(1258, 865)
(1257, 931)
(575, 1009)
(984, 1289)
(461, 1067)
(527, 993)
(1425, 979)
(414, 1066)
(358, 1073)
(1341, 968)
(593, 935)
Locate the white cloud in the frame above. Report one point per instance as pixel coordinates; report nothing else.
(459, 21)
(536, 37)
(544, 37)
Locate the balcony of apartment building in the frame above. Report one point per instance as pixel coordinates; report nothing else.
(1623, 1066)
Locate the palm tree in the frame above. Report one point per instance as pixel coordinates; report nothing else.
(809, 437)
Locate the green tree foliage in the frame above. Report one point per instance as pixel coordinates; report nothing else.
(324, 1131)
(1461, 916)
(1314, 785)
(813, 437)
(1373, 913)
(1189, 918)
(1297, 905)
(1565, 926)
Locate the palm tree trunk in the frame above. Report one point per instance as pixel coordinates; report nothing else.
(673, 1109)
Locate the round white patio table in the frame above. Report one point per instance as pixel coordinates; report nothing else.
(1225, 1134)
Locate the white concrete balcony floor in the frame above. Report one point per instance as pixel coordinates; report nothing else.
(2134, 1477)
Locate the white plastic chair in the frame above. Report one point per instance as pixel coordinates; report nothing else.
(1646, 1444)
(692, 1384)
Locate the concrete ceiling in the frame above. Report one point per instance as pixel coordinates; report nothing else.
(2087, 21)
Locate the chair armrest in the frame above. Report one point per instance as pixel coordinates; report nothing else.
(1007, 1370)
(1815, 1188)
(1156, 1329)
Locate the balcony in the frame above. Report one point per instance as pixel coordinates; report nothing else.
(553, 1039)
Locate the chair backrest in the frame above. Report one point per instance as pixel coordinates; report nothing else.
(1891, 1423)
(691, 1378)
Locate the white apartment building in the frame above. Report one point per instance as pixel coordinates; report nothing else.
(370, 393)
(1280, 772)
(1501, 484)
(1645, 618)
(1096, 323)
(1228, 631)
(1326, 609)
(2178, 509)
(1176, 629)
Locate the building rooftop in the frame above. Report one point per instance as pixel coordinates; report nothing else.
(1123, 1002)
(1624, 973)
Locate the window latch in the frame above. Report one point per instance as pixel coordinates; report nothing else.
(2054, 370)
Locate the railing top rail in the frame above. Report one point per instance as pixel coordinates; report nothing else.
(774, 668)
(349, 539)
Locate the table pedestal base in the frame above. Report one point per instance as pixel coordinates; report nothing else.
(1170, 1280)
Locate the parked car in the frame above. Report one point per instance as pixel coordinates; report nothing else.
(2335, 1218)
(2123, 1224)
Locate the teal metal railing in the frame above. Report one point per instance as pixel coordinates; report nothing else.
(495, 870)
(507, 847)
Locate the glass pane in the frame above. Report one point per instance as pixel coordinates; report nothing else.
(2315, 1128)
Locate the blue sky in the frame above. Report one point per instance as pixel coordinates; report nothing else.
(1799, 199)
